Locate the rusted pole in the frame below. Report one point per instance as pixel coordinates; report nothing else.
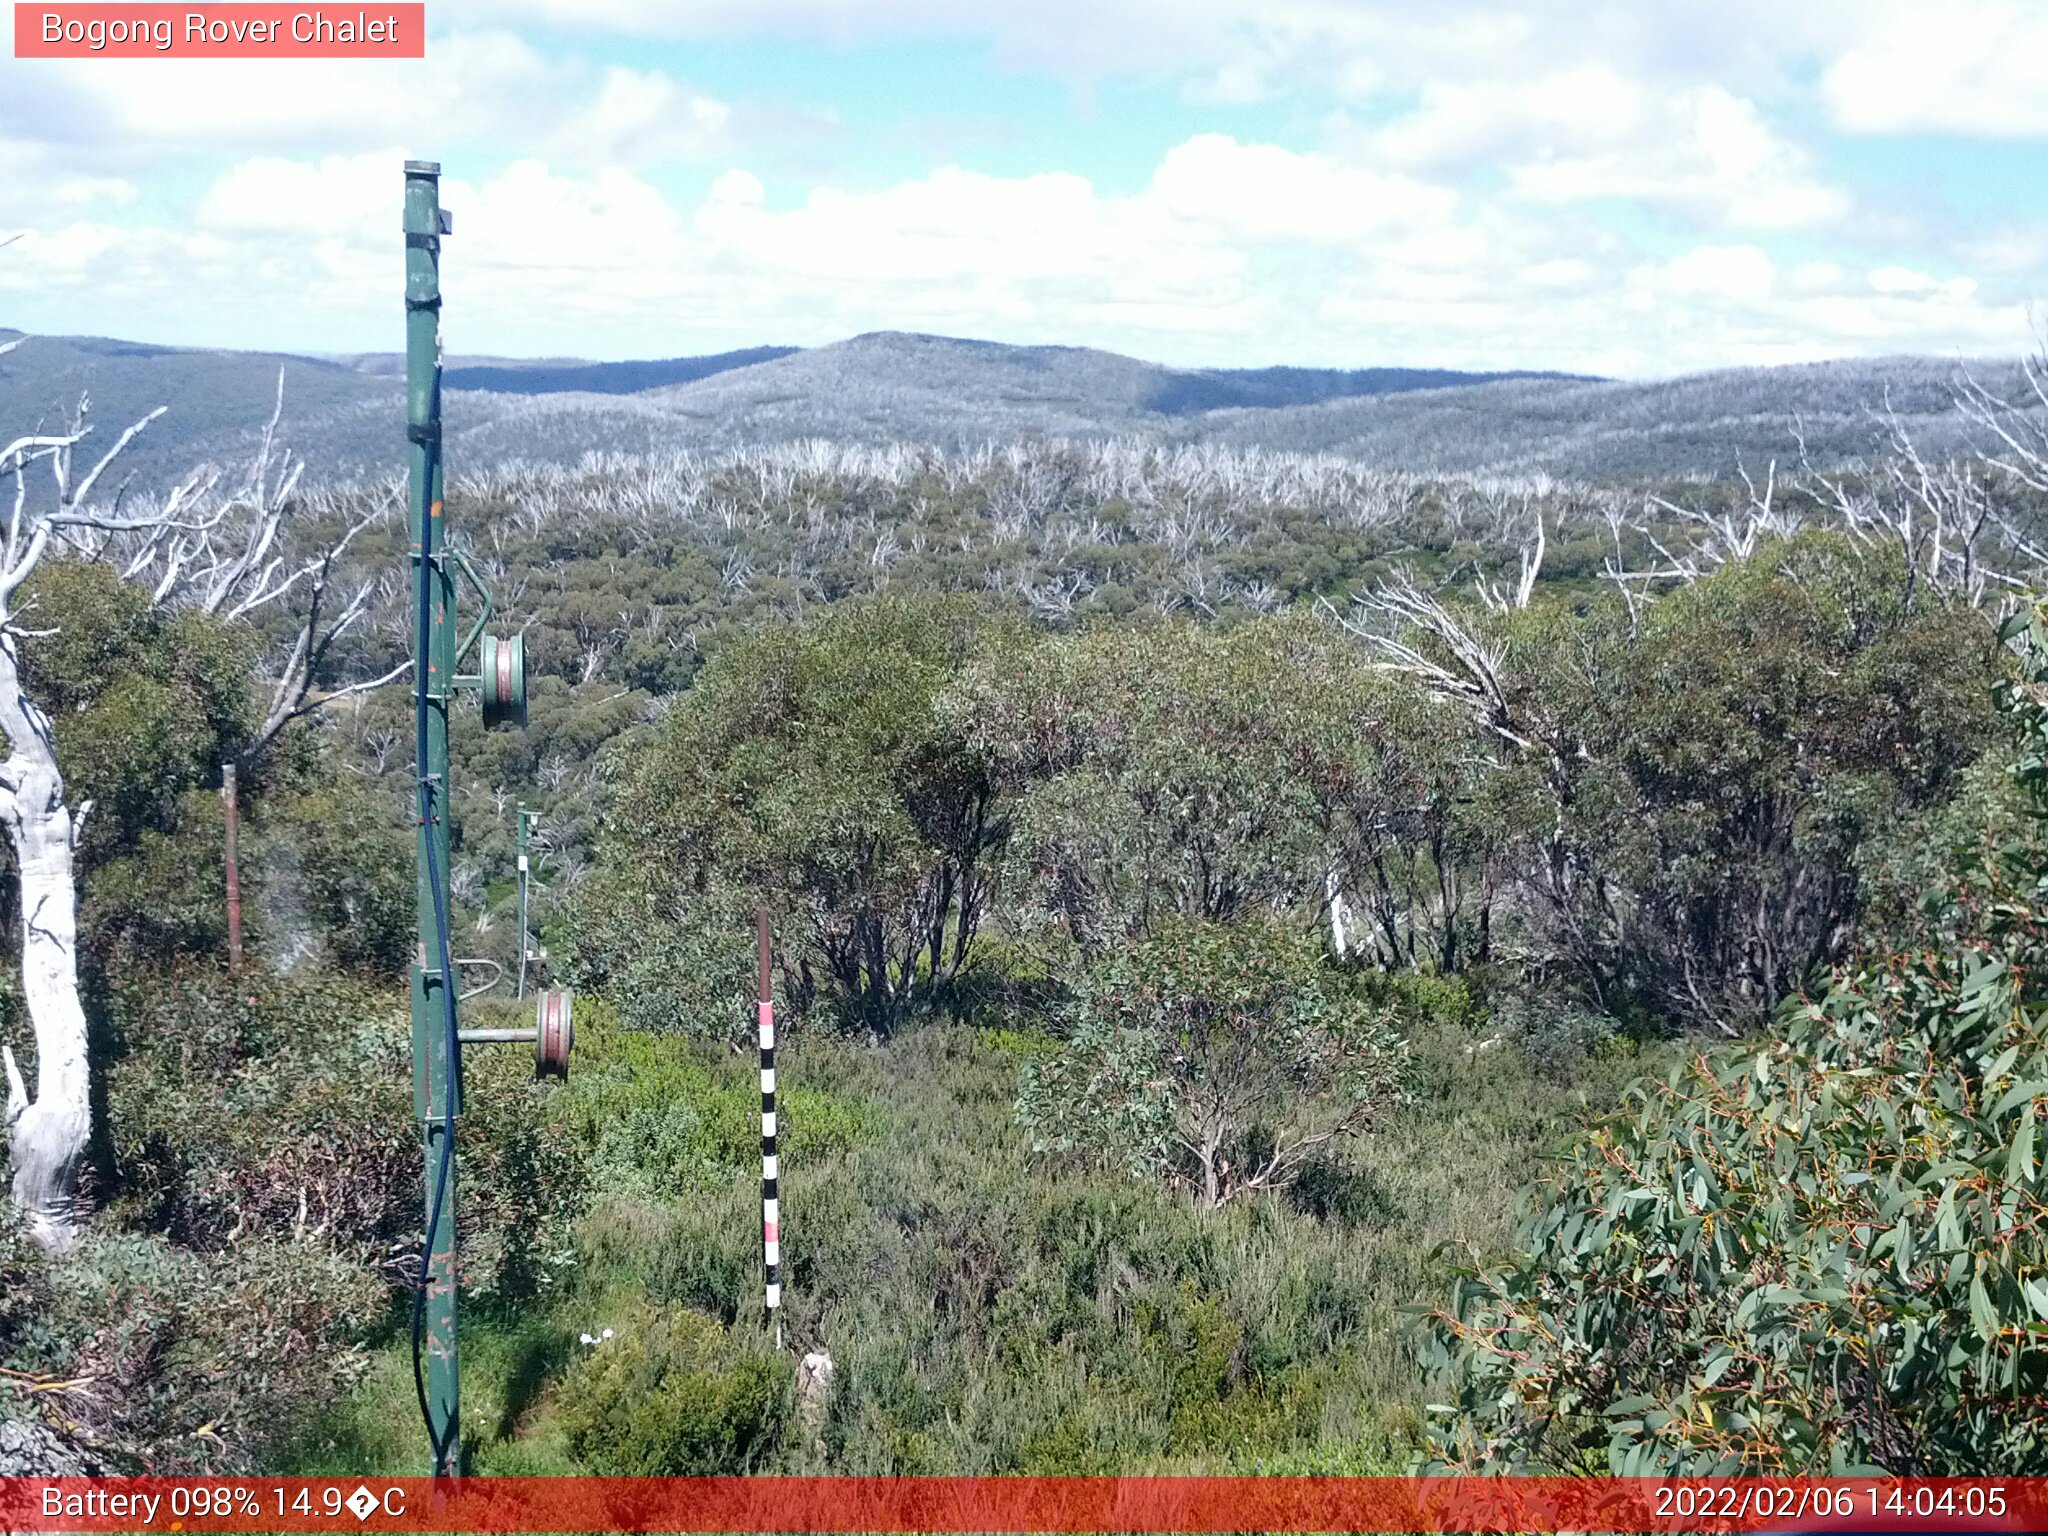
(228, 803)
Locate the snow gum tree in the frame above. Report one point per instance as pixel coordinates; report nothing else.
(219, 550)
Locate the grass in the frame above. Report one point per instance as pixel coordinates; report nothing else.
(986, 1313)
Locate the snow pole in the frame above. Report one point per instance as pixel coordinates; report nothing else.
(500, 684)
(771, 1214)
(436, 1055)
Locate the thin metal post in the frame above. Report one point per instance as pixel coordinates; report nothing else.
(771, 1212)
(229, 813)
(436, 1067)
(525, 947)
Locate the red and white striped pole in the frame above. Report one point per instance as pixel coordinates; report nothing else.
(771, 1218)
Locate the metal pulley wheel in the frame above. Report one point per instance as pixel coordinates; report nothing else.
(554, 1033)
(502, 663)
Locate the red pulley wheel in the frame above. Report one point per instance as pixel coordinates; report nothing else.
(554, 1033)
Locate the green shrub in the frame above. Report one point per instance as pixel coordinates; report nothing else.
(672, 1394)
(144, 704)
(669, 1116)
(1221, 1056)
(524, 1177)
(173, 1361)
(1208, 772)
(334, 859)
(1710, 776)
(257, 1103)
(1822, 1252)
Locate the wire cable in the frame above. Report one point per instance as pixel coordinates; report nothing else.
(426, 788)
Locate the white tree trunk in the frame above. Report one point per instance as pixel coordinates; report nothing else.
(183, 537)
(46, 1136)
(1333, 897)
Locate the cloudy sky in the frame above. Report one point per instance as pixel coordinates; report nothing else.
(1634, 187)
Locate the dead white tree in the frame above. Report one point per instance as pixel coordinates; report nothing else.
(1339, 913)
(1968, 528)
(1462, 661)
(1410, 631)
(1499, 599)
(239, 558)
(193, 546)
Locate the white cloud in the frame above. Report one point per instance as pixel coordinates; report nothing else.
(1231, 252)
(1237, 50)
(338, 196)
(1904, 280)
(1590, 133)
(1709, 271)
(2009, 250)
(1261, 193)
(644, 117)
(484, 88)
(1961, 66)
(33, 180)
(1600, 184)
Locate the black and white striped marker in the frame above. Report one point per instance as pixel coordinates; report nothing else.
(771, 1216)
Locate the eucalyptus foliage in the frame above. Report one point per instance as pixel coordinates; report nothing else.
(1825, 1252)
(1171, 770)
(1216, 1057)
(809, 771)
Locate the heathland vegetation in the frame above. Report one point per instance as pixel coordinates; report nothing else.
(1206, 884)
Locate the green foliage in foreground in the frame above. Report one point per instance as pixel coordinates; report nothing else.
(1822, 1253)
(1220, 1056)
(987, 1311)
(261, 1185)
(150, 1355)
(667, 1399)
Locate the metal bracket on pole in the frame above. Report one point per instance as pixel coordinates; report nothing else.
(476, 585)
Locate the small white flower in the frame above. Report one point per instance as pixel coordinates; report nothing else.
(606, 1334)
(588, 1339)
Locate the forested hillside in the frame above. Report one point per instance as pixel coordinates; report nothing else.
(889, 390)
(1206, 882)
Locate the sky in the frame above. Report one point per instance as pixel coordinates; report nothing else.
(1629, 187)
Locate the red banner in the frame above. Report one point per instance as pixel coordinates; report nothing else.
(241, 31)
(1023, 1504)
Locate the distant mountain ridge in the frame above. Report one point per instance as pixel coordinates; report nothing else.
(559, 375)
(628, 378)
(1215, 389)
(345, 413)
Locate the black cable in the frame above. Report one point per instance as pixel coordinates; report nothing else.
(421, 668)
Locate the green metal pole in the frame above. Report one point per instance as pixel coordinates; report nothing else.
(436, 1068)
(524, 947)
